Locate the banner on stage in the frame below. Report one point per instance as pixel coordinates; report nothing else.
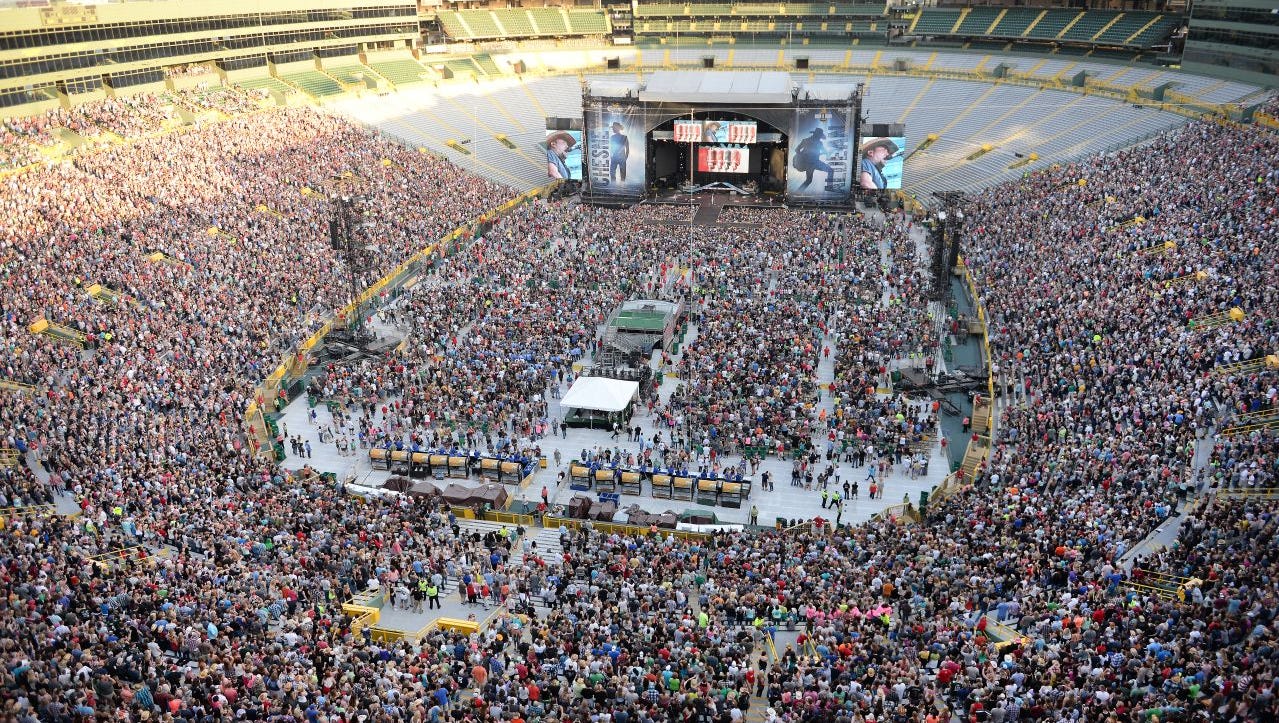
(821, 155)
(615, 151)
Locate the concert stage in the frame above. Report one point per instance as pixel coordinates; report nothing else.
(738, 135)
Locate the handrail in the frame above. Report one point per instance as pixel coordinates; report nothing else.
(772, 647)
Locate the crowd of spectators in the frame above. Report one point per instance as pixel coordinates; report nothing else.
(236, 612)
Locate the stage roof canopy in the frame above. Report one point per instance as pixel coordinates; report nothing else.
(742, 87)
(600, 394)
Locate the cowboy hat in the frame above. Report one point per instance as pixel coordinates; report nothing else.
(709, 124)
(561, 136)
(617, 126)
(886, 143)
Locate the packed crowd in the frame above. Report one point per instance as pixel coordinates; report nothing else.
(240, 618)
(126, 116)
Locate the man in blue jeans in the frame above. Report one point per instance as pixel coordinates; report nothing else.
(619, 149)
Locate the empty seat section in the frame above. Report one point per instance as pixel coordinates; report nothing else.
(1156, 33)
(349, 73)
(1125, 27)
(978, 21)
(462, 67)
(481, 23)
(807, 9)
(933, 21)
(1089, 25)
(399, 72)
(550, 21)
(658, 10)
(452, 25)
(514, 22)
(1053, 23)
(1015, 22)
(314, 83)
(486, 63)
(587, 22)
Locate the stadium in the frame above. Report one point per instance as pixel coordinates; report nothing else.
(631, 362)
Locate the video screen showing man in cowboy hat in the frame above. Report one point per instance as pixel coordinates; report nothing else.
(712, 132)
(876, 153)
(559, 146)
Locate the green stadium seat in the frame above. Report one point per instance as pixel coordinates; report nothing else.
(1125, 27)
(267, 83)
(399, 72)
(313, 83)
(349, 73)
(764, 9)
(861, 10)
(711, 10)
(936, 21)
(659, 10)
(514, 23)
(481, 23)
(978, 21)
(1015, 22)
(587, 22)
(452, 25)
(1156, 33)
(549, 21)
(807, 9)
(1053, 23)
(1089, 25)
(462, 67)
(486, 63)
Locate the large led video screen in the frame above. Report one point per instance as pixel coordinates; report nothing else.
(880, 164)
(615, 151)
(716, 131)
(564, 155)
(723, 159)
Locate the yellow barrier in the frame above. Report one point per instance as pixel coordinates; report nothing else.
(511, 518)
(458, 625)
(771, 647)
(1249, 428)
(902, 512)
(1250, 492)
(58, 332)
(28, 511)
(1270, 361)
(14, 385)
(8, 458)
(107, 561)
(610, 528)
(1218, 319)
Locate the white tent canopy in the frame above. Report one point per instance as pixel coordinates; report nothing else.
(600, 394)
